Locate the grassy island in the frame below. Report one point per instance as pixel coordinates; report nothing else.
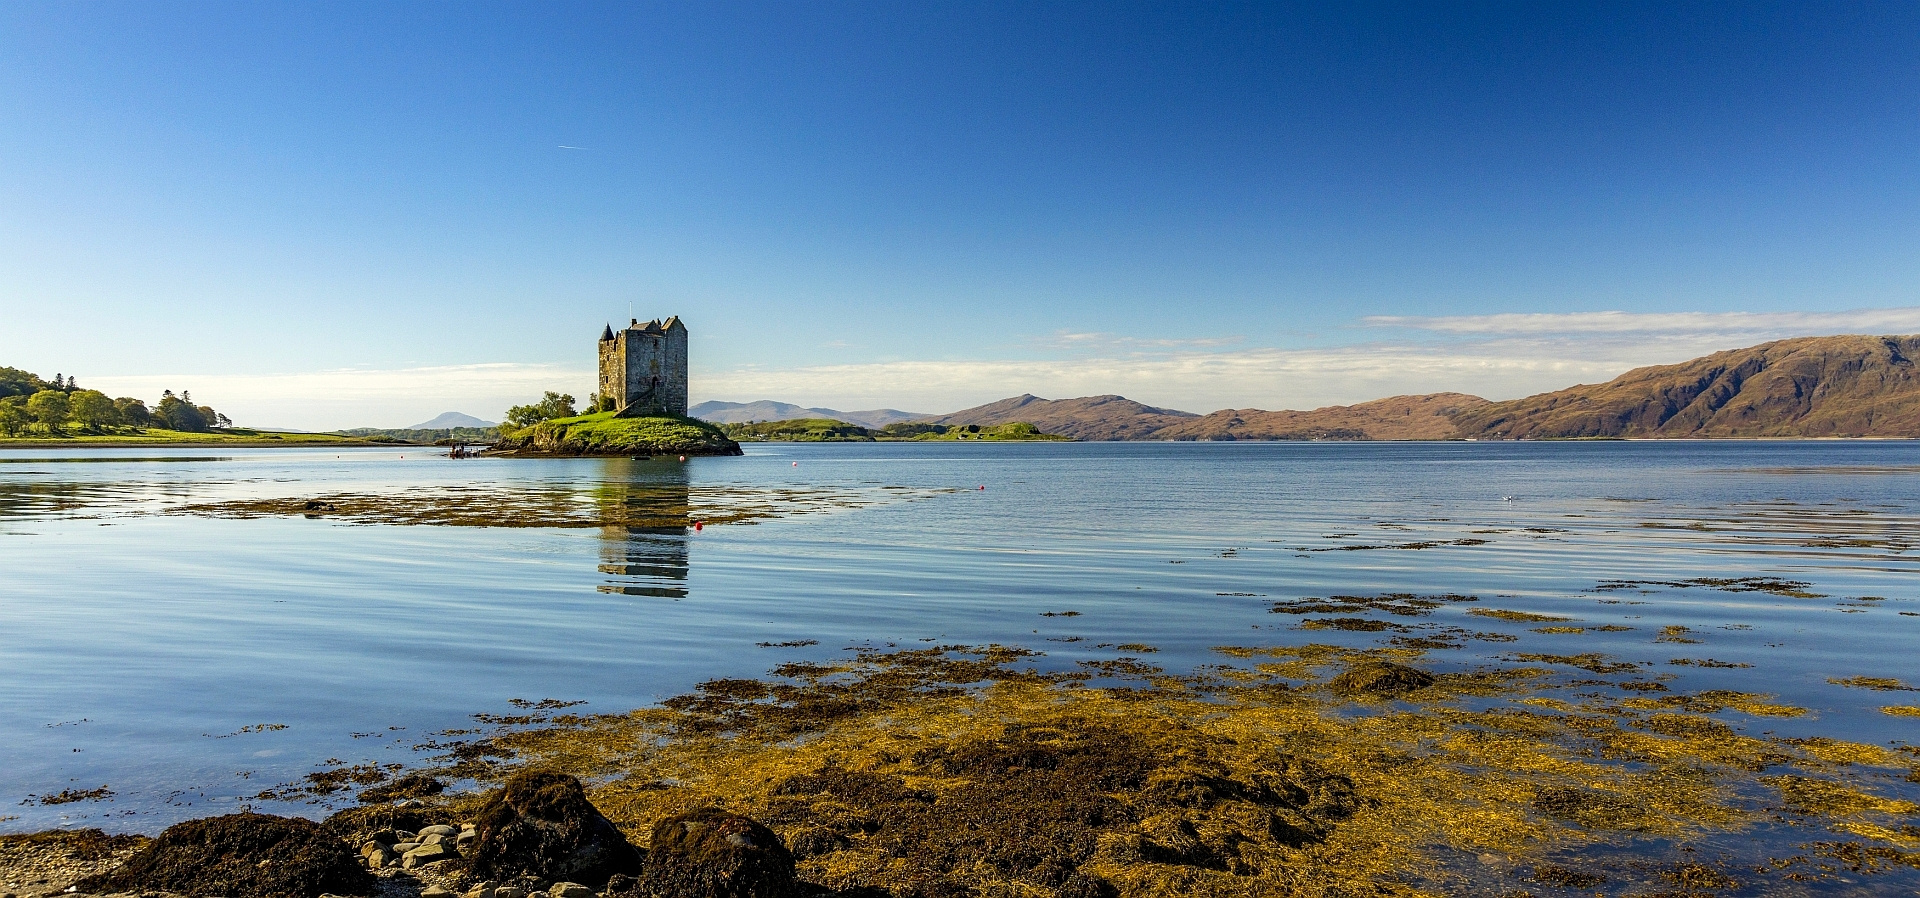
(604, 433)
(828, 430)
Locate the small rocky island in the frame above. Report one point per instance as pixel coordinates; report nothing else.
(641, 406)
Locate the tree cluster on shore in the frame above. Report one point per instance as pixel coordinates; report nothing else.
(60, 406)
(550, 407)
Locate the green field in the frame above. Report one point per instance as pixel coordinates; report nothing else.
(827, 430)
(153, 436)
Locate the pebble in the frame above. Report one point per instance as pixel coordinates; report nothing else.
(482, 890)
(427, 854)
(404, 847)
(568, 890)
(438, 829)
(509, 892)
(435, 838)
(436, 892)
(379, 857)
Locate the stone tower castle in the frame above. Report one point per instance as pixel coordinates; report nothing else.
(643, 369)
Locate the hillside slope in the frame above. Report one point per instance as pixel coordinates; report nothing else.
(1804, 387)
(1425, 417)
(717, 412)
(1087, 418)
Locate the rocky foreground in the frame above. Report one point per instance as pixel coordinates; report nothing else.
(536, 837)
(1289, 770)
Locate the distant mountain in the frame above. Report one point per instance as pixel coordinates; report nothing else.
(1428, 417)
(1854, 386)
(766, 410)
(449, 420)
(1089, 418)
(1844, 386)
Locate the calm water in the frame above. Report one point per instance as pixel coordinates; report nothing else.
(185, 662)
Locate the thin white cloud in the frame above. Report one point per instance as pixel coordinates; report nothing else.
(360, 397)
(1496, 356)
(1873, 321)
(1207, 381)
(1101, 341)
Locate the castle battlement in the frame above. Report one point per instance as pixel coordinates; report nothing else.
(643, 368)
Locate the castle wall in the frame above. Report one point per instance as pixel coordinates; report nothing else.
(644, 371)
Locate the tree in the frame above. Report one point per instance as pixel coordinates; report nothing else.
(49, 407)
(132, 411)
(91, 409)
(15, 382)
(208, 415)
(13, 418)
(551, 406)
(179, 414)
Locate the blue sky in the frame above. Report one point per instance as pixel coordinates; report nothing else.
(331, 214)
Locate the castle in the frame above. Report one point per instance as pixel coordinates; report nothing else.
(643, 369)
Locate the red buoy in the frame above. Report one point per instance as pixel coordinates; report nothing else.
(699, 525)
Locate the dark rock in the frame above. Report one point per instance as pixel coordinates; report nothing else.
(1086, 885)
(540, 824)
(413, 785)
(241, 856)
(620, 885)
(1381, 678)
(814, 841)
(709, 853)
(356, 825)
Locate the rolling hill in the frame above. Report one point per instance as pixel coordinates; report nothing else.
(1088, 418)
(448, 420)
(1844, 386)
(717, 412)
(1841, 386)
(1427, 417)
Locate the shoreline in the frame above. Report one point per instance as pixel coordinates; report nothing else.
(1346, 769)
(352, 443)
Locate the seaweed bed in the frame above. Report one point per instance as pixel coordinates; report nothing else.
(611, 505)
(1297, 770)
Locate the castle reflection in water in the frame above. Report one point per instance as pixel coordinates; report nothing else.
(647, 554)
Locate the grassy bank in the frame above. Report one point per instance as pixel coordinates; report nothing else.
(158, 437)
(827, 430)
(603, 433)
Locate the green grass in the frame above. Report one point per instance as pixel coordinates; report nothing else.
(1018, 431)
(604, 434)
(800, 430)
(827, 430)
(232, 436)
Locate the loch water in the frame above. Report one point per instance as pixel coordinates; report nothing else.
(166, 664)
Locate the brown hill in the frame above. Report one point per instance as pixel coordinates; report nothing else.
(1088, 418)
(1425, 417)
(1804, 387)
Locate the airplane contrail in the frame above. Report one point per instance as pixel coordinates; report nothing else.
(565, 147)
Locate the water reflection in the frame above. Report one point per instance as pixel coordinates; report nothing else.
(644, 560)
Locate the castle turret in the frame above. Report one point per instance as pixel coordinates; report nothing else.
(643, 369)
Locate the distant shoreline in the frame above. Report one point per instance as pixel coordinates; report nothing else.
(351, 443)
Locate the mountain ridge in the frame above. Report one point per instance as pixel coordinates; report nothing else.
(1846, 385)
(450, 420)
(1849, 385)
(717, 412)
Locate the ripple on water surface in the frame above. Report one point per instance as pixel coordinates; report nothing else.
(185, 633)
